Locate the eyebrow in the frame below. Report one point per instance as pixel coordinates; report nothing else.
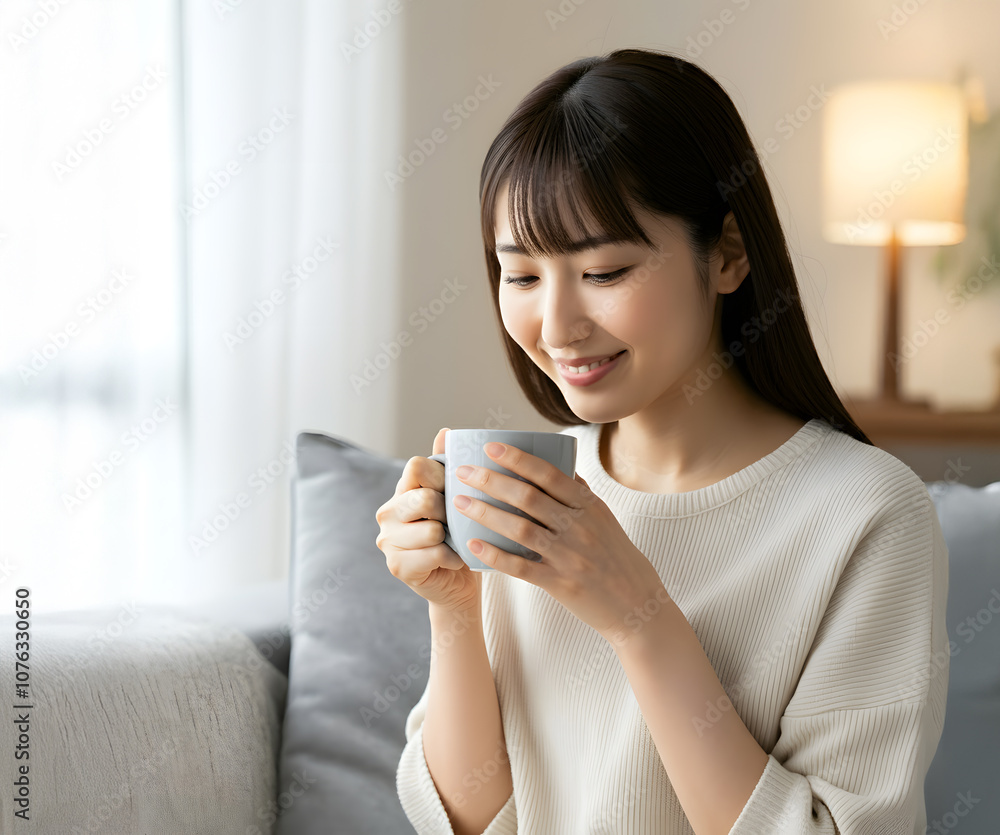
(573, 247)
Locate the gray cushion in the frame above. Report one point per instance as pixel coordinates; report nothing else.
(360, 647)
(961, 785)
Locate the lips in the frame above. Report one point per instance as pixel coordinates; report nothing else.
(589, 377)
(578, 362)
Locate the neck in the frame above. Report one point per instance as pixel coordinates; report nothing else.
(694, 435)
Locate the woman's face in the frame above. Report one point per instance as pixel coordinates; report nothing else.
(652, 310)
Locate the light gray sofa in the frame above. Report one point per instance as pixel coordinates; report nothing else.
(281, 707)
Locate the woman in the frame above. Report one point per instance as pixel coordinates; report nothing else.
(733, 623)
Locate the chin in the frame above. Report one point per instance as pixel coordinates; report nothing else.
(593, 415)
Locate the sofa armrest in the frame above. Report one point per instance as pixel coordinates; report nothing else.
(261, 611)
(148, 723)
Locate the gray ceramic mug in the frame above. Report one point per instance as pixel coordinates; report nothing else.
(465, 446)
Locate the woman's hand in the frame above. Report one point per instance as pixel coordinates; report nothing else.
(412, 537)
(588, 562)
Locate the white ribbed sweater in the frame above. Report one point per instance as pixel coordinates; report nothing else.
(816, 581)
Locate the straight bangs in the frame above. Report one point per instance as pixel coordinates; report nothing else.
(564, 173)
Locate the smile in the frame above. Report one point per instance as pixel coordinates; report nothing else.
(592, 375)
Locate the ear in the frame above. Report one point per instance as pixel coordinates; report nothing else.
(735, 263)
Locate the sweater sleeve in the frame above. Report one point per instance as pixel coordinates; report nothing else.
(418, 794)
(861, 728)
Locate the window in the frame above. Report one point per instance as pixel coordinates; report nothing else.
(91, 318)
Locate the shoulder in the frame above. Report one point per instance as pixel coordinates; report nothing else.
(851, 472)
(852, 466)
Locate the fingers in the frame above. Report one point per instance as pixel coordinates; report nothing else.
(414, 566)
(439, 441)
(548, 478)
(526, 497)
(421, 472)
(421, 503)
(411, 522)
(532, 533)
(412, 537)
(515, 565)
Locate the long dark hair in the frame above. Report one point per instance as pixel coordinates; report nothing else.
(650, 129)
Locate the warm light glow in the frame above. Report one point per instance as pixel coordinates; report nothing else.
(895, 153)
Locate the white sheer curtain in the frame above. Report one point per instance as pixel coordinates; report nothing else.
(90, 320)
(235, 233)
(292, 261)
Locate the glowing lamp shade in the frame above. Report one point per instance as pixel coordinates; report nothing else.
(895, 156)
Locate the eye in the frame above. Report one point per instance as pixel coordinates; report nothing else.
(595, 278)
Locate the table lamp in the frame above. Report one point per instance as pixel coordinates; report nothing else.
(895, 172)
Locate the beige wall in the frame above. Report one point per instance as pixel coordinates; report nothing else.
(769, 57)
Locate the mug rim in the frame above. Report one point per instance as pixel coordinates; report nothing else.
(513, 431)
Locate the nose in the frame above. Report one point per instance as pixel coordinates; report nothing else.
(565, 319)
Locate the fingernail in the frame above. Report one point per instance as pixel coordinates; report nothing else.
(462, 502)
(464, 471)
(495, 450)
